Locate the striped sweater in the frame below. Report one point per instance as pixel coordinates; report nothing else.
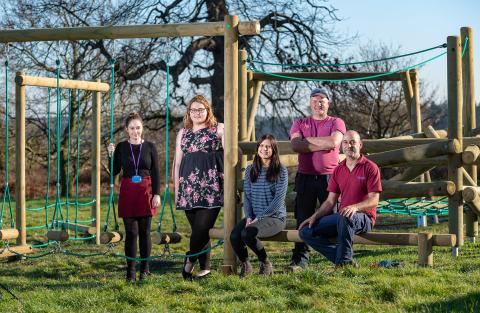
(263, 198)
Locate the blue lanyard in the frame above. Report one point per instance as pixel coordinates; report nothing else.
(136, 163)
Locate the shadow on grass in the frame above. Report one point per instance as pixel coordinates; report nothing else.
(467, 303)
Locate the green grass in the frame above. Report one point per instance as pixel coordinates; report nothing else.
(60, 283)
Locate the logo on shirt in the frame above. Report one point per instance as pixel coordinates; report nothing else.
(361, 177)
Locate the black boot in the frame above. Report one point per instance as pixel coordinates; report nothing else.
(144, 270)
(131, 272)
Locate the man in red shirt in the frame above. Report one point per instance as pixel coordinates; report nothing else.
(357, 181)
(316, 139)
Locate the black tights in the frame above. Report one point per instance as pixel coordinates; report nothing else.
(201, 220)
(137, 227)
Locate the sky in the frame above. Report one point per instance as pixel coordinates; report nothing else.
(412, 26)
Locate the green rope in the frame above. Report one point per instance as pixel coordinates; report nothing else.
(6, 191)
(444, 45)
(58, 207)
(350, 79)
(166, 195)
(77, 167)
(111, 202)
(47, 192)
(67, 179)
(465, 46)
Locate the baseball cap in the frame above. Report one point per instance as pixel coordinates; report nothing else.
(320, 90)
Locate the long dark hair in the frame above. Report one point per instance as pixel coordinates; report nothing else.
(273, 170)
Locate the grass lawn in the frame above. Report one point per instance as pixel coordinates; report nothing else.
(62, 283)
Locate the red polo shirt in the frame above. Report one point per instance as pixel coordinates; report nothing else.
(354, 186)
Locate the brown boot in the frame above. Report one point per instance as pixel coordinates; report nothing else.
(245, 269)
(266, 268)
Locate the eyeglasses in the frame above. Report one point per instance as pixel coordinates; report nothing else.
(197, 111)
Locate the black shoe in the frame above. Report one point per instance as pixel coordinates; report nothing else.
(131, 277)
(187, 275)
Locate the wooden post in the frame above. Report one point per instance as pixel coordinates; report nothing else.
(416, 113)
(471, 219)
(455, 111)
(242, 116)
(231, 138)
(425, 249)
(96, 165)
(407, 90)
(20, 130)
(253, 111)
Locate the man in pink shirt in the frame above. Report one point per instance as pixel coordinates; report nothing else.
(316, 139)
(357, 181)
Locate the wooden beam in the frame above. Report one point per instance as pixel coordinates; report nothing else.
(396, 189)
(231, 138)
(372, 238)
(470, 154)
(471, 219)
(425, 249)
(455, 131)
(411, 154)
(472, 197)
(126, 31)
(15, 251)
(257, 90)
(407, 90)
(84, 229)
(413, 172)
(25, 80)
(369, 145)
(358, 76)
(9, 233)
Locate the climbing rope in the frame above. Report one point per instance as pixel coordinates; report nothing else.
(111, 197)
(444, 45)
(6, 188)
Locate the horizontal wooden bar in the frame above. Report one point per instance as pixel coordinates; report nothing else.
(373, 238)
(416, 153)
(376, 145)
(125, 31)
(84, 229)
(110, 237)
(397, 189)
(326, 75)
(57, 235)
(471, 195)
(15, 250)
(25, 80)
(166, 238)
(8, 233)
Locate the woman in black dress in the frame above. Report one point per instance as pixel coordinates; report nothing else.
(198, 174)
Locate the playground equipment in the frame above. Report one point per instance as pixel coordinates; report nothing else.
(419, 152)
(230, 28)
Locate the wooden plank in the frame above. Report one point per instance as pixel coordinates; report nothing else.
(372, 238)
(126, 31)
(25, 80)
(14, 251)
(20, 163)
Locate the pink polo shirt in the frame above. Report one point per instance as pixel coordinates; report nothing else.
(319, 162)
(355, 186)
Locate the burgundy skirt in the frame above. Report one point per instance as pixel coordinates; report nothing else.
(135, 199)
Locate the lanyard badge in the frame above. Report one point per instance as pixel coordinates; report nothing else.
(136, 178)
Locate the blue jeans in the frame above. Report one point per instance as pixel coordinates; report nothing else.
(336, 225)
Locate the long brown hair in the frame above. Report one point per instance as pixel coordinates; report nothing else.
(211, 121)
(273, 170)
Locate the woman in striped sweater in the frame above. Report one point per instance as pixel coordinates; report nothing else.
(264, 187)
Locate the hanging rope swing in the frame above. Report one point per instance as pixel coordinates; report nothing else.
(12, 232)
(160, 237)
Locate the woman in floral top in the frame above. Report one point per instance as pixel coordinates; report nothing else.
(198, 174)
